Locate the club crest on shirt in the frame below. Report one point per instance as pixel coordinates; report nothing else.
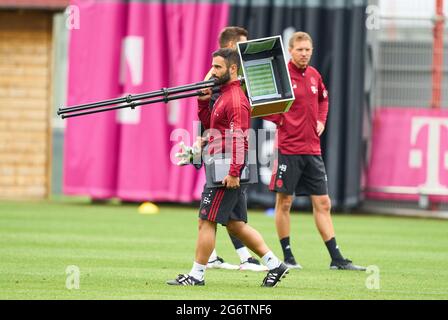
(279, 183)
(313, 81)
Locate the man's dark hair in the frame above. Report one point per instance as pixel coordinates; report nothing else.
(230, 56)
(231, 34)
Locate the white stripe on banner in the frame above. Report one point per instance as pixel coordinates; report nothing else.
(132, 60)
(287, 34)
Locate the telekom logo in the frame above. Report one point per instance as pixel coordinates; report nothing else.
(131, 74)
(435, 126)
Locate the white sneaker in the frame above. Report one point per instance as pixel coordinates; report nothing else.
(219, 263)
(252, 265)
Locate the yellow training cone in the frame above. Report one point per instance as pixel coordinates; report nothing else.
(148, 208)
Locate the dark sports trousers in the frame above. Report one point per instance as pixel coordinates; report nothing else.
(302, 175)
(221, 205)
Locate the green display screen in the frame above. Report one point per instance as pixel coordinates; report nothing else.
(261, 80)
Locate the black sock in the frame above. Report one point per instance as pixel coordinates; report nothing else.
(287, 253)
(333, 249)
(237, 243)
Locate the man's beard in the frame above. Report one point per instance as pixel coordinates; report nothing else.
(223, 79)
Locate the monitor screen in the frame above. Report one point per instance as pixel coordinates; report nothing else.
(260, 79)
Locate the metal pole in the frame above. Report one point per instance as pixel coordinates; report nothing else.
(131, 98)
(133, 104)
(437, 68)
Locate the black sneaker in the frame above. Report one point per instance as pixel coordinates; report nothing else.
(185, 280)
(345, 264)
(275, 275)
(292, 264)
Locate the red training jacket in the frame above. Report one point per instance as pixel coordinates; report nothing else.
(297, 128)
(228, 123)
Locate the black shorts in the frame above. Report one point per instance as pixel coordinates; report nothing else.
(303, 175)
(221, 205)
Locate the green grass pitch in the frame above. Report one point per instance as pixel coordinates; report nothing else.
(124, 255)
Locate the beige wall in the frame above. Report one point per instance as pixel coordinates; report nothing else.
(25, 104)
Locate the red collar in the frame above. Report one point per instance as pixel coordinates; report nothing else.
(296, 68)
(230, 85)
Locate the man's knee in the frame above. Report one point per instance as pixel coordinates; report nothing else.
(205, 224)
(234, 227)
(322, 204)
(284, 203)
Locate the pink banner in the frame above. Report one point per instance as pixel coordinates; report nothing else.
(136, 47)
(409, 154)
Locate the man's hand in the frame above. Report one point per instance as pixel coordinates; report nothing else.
(320, 128)
(187, 154)
(207, 94)
(200, 143)
(231, 182)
